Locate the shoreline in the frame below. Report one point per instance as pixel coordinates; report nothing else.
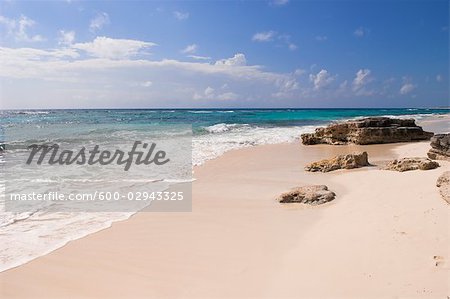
(222, 173)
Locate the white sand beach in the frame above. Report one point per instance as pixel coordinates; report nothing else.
(386, 235)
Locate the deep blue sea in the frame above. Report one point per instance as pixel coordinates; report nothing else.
(211, 133)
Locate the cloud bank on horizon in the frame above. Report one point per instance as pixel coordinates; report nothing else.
(79, 54)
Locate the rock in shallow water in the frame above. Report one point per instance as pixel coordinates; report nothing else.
(440, 147)
(348, 161)
(406, 164)
(313, 195)
(371, 130)
(443, 182)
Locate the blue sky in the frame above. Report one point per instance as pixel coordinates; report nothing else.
(148, 54)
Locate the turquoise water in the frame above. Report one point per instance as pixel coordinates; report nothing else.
(202, 118)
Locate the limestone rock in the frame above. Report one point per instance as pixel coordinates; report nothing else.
(369, 130)
(440, 147)
(406, 164)
(443, 182)
(313, 195)
(348, 161)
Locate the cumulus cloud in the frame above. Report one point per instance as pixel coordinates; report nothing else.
(190, 49)
(439, 78)
(66, 38)
(104, 47)
(99, 21)
(18, 28)
(180, 15)
(113, 62)
(265, 36)
(321, 79)
(70, 74)
(237, 60)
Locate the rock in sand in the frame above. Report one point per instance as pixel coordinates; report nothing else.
(407, 164)
(348, 161)
(313, 195)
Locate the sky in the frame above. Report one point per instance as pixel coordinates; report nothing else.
(223, 54)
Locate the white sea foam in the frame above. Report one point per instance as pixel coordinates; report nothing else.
(31, 112)
(220, 128)
(226, 137)
(200, 111)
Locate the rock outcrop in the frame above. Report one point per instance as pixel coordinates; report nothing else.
(313, 195)
(369, 130)
(407, 164)
(440, 147)
(443, 182)
(348, 161)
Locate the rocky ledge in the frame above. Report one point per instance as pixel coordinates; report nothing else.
(348, 161)
(407, 164)
(440, 147)
(369, 130)
(313, 195)
(443, 182)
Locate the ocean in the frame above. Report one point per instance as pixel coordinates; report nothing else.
(212, 132)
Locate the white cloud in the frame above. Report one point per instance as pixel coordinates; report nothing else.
(173, 82)
(196, 57)
(104, 47)
(359, 84)
(237, 60)
(180, 15)
(265, 36)
(190, 49)
(439, 78)
(210, 94)
(321, 79)
(288, 84)
(18, 28)
(362, 78)
(99, 21)
(407, 88)
(70, 71)
(66, 37)
(269, 36)
(321, 38)
(360, 32)
(286, 38)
